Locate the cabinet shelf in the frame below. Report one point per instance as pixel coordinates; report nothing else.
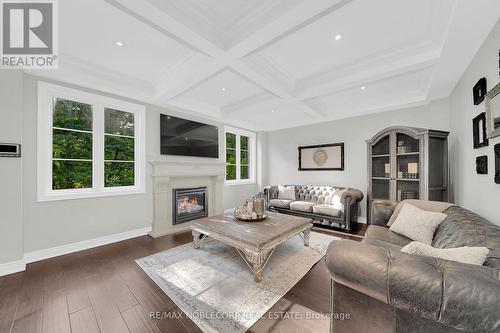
(383, 155)
(409, 154)
(381, 178)
(408, 179)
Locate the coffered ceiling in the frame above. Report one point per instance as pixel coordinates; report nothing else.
(271, 64)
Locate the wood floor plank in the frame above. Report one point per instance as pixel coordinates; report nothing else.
(10, 290)
(138, 321)
(84, 321)
(107, 314)
(55, 313)
(29, 312)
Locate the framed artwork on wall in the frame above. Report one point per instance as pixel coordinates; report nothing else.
(497, 163)
(482, 165)
(479, 131)
(479, 91)
(322, 157)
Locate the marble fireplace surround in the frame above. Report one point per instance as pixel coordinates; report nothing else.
(170, 175)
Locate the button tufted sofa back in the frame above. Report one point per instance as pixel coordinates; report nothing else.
(313, 193)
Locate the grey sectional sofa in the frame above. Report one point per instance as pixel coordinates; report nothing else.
(386, 290)
(315, 202)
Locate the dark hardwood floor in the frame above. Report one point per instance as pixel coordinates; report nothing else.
(104, 290)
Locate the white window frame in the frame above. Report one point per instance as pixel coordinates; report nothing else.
(252, 163)
(46, 94)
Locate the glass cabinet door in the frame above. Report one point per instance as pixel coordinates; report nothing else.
(407, 167)
(395, 167)
(381, 169)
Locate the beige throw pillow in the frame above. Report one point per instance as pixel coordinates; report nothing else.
(465, 254)
(286, 192)
(430, 206)
(417, 224)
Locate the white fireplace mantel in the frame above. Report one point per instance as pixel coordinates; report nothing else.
(187, 169)
(168, 176)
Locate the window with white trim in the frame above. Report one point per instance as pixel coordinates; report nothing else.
(240, 156)
(88, 145)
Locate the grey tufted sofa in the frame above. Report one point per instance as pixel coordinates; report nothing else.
(316, 202)
(386, 290)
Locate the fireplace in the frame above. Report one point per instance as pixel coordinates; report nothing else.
(189, 204)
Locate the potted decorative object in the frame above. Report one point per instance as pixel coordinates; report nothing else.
(252, 210)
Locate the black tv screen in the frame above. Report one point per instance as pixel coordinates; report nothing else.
(188, 138)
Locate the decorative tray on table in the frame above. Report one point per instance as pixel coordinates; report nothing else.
(250, 219)
(252, 210)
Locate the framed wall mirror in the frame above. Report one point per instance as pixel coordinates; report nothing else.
(493, 112)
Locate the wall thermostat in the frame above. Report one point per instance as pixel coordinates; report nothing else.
(10, 150)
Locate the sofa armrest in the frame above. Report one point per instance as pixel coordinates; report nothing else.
(352, 195)
(381, 211)
(462, 296)
(270, 192)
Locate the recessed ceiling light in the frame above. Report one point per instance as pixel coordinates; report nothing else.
(272, 111)
(363, 87)
(223, 89)
(119, 44)
(338, 37)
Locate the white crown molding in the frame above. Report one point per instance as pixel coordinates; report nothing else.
(270, 69)
(224, 30)
(379, 67)
(77, 71)
(249, 101)
(170, 75)
(196, 106)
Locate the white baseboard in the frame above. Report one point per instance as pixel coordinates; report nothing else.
(20, 265)
(12, 267)
(83, 245)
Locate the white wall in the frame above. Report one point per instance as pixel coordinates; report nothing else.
(11, 123)
(478, 193)
(282, 153)
(49, 224)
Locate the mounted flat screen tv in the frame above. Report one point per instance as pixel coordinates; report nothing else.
(188, 138)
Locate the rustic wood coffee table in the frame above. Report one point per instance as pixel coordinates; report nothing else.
(254, 241)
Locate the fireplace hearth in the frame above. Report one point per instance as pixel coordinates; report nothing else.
(189, 204)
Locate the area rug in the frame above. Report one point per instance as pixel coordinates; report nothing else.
(215, 288)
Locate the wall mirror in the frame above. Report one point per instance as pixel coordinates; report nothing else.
(493, 112)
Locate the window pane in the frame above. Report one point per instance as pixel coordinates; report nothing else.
(230, 140)
(244, 142)
(73, 115)
(71, 175)
(118, 122)
(230, 172)
(118, 174)
(244, 172)
(71, 145)
(231, 156)
(118, 148)
(244, 157)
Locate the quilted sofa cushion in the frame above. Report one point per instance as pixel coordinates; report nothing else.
(326, 209)
(303, 206)
(281, 203)
(465, 228)
(315, 194)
